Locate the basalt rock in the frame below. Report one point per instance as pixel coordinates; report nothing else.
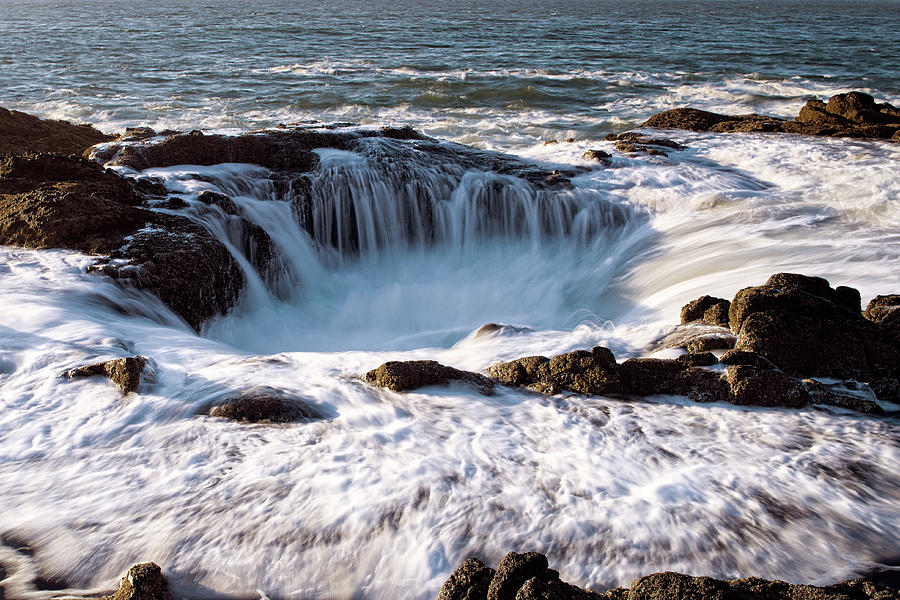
(854, 114)
(530, 579)
(265, 404)
(124, 372)
(404, 376)
(470, 581)
(806, 328)
(631, 142)
(749, 379)
(144, 581)
(706, 309)
(55, 201)
(21, 133)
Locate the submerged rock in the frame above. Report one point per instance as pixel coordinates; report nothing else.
(124, 372)
(854, 114)
(265, 404)
(526, 577)
(21, 133)
(404, 376)
(631, 142)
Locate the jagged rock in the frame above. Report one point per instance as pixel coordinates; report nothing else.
(526, 577)
(632, 142)
(598, 155)
(880, 307)
(806, 328)
(265, 404)
(404, 376)
(514, 570)
(845, 115)
(763, 387)
(470, 581)
(144, 581)
(124, 372)
(744, 357)
(706, 309)
(21, 133)
(55, 201)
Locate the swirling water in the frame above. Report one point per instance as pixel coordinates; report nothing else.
(385, 497)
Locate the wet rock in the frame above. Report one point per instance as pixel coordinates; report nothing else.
(647, 376)
(514, 570)
(744, 357)
(820, 393)
(150, 186)
(697, 359)
(710, 341)
(554, 589)
(144, 581)
(55, 201)
(404, 376)
(632, 142)
(402, 133)
(845, 115)
(880, 307)
(21, 133)
(134, 134)
(221, 200)
(124, 372)
(807, 328)
(706, 309)
(697, 338)
(592, 373)
(470, 581)
(499, 329)
(598, 155)
(265, 404)
(763, 387)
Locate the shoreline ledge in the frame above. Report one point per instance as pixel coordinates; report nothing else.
(854, 114)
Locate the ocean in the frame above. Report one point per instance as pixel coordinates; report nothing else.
(385, 498)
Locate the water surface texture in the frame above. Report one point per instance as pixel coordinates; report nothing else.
(388, 495)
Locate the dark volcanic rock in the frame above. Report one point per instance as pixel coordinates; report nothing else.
(124, 372)
(707, 309)
(526, 577)
(55, 201)
(846, 115)
(22, 133)
(514, 570)
(806, 328)
(265, 404)
(403, 376)
(144, 581)
(470, 581)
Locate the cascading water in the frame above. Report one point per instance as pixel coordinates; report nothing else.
(407, 253)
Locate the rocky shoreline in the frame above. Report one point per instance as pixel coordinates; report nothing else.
(792, 342)
(527, 576)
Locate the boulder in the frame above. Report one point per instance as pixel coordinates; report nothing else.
(763, 387)
(806, 328)
(144, 581)
(470, 581)
(706, 309)
(598, 155)
(880, 307)
(21, 133)
(124, 372)
(592, 373)
(404, 376)
(265, 404)
(514, 570)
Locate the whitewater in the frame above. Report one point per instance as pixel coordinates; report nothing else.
(390, 492)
